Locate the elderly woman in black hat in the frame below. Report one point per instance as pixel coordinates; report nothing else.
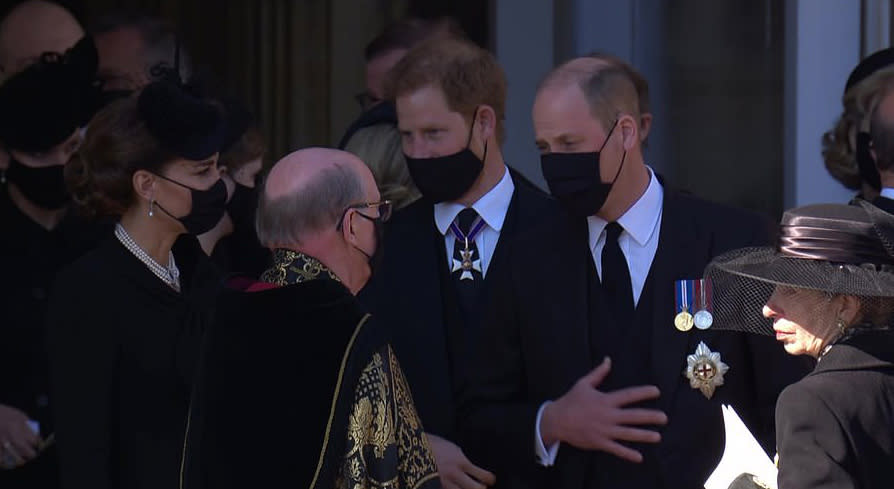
(125, 320)
(826, 290)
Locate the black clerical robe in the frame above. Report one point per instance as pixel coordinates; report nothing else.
(298, 387)
(122, 349)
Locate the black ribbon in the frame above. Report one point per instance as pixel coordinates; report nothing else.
(833, 240)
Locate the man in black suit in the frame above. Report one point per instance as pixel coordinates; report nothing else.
(581, 368)
(881, 130)
(450, 97)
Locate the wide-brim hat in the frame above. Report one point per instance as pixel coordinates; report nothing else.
(836, 249)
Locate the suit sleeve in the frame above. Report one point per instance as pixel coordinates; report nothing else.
(83, 358)
(497, 420)
(812, 444)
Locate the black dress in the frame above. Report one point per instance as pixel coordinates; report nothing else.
(835, 427)
(122, 347)
(30, 258)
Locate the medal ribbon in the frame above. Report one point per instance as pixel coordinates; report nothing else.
(684, 294)
(477, 226)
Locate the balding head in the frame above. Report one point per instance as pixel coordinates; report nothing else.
(33, 28)
(307, 191)
(607, 85)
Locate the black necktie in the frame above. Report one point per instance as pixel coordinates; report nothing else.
(616, 276)
(466, 264)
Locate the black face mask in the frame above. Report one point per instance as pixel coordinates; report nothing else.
(375, 260)
(447, 178)
(242, 206)
(865, 163)
(574, 179)
(44, 187)
(208, 207)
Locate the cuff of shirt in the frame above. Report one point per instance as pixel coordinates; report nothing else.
(546, 456)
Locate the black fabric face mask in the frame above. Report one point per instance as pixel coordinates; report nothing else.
(375, 259)
(208, 207)
(447, 178)
(574, 179)
(242, 206)
(866, 163)
(44, 186)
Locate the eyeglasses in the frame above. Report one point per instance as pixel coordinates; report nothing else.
(366, 100)
(385, 207)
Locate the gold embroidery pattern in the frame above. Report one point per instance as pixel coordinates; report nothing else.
(417, 463)
(386, 447)
(292, 267)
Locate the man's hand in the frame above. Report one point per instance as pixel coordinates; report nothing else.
(455, 470)
(17, 442)
(589, 419)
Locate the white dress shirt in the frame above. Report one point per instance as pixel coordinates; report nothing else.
(887, 193)
(492, 208)
(638, 242)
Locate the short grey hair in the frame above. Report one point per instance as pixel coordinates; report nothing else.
(319, 204)
(158, 35)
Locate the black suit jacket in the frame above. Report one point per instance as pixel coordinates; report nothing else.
(836, 426)
(537, 345)
(409, 296)
(884, 204)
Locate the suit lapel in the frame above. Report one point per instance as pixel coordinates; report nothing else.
(675, 259)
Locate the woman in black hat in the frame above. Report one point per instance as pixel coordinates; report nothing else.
(826, 290)
(125, 320)
(42, 109)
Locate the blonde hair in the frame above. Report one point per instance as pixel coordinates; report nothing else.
(839, 154)
(379, 146)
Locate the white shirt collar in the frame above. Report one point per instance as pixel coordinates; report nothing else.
(640, 221)
(887, 193)
(492, 206)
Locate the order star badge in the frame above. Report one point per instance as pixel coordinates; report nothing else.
(705, 370)
(466, 265)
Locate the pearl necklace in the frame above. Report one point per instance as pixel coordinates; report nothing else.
(170, 275)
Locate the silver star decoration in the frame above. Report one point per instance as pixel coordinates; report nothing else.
(466, 265)
(705, 370)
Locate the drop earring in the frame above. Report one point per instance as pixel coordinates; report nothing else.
(151, 207)
(842, 326)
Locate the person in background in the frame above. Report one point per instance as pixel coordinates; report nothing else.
(825, 291)
(379, 146)
(846, 151)
(881, 134)
(125, 320)
(334, 412)
(48, 70)
(233, 243)
(131, 45)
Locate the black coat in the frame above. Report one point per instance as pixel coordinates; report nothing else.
(884, 204)
(538, 344)
(835, 428)
(30, 258)
(410, 296)
(122, 348)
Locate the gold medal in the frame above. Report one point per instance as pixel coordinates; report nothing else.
(683, 321)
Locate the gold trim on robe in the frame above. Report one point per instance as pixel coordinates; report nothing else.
(386, 446)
